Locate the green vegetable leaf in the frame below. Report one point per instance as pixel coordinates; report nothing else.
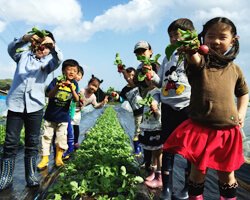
(118, 60)
(141, 76)
(39, 33)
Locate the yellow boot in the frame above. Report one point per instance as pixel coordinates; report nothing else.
(43, 163)
(59, 154)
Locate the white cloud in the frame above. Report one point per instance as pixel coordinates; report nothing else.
(66, 16)
(132, 16)
(2, 25)
(47, 12)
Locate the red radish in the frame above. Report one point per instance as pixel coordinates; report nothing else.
(113, 94)
(149, 75)
(41, 47)
(203, 49)
(120, 68)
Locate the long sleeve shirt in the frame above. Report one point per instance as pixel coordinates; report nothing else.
(28, 87)
(173, 81)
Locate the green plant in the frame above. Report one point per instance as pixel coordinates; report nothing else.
(145, 73)
(118, 63)
(103, 166)
(147, 101)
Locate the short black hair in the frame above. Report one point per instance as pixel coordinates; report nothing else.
(70, 62)
(181, 23)
(130, 69)
(80, 69)
(50, 35)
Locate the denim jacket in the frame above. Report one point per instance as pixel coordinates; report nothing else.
(27, 92)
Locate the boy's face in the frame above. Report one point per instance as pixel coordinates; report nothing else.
(144, 52)
(70, 72)
(131, 75)
(174, 36)
(78, 76)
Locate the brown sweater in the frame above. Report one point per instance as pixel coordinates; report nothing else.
(213, 92)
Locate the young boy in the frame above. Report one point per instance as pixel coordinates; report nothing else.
(26, 100)
(60, 93)
(132, 94)
(175, 98)
(74, 121)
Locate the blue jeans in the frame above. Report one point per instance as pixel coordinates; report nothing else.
(14, 124)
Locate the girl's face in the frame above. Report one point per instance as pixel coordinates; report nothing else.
(174, 36)
(78, 76)
(219, 38)
(70, 72)
(93, 86)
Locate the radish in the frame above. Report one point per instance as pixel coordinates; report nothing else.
(203, 49)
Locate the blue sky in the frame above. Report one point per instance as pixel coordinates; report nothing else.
(92, 31)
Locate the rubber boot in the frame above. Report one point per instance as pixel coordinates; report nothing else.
(156, 182)
(167, 183)
(151, 174)
(137, 148)
(70, 141)
(167, 176)
(199, 197)
(7, 170)
(59, 154)
(43, 164)
(30, 168)
(183, 194)
(71, 148)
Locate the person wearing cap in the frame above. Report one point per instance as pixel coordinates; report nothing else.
(26, 100)
(141, 48)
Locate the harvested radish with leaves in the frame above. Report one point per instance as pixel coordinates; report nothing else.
(118, 63)
(36, 45)
(146, 72)
(188, 40)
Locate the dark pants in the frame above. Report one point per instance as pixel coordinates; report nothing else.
(76, 133)
(170, 119)
(14, 124)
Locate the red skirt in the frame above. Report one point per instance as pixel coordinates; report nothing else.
(219, 149)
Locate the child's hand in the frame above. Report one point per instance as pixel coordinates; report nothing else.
(154, 106)
(31, 38)
(48, 41)
(105, 100)
(241, 120)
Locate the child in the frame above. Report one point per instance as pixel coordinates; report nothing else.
(75, 118)
(142, 48)
(175, 98)
(211, 138)
(88, 96)
(60, 93)
(25, 102)
(150, 135)
(131, 94)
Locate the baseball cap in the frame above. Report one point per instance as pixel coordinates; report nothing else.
(142, 45)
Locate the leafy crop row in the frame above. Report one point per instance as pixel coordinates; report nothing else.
(103, 167)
